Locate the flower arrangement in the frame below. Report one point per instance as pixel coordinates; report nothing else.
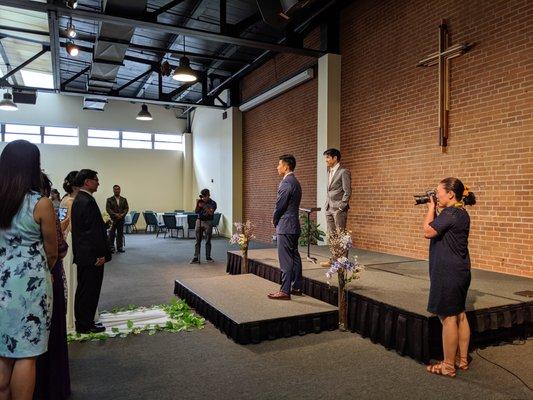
(107, 220)
(242, 237)
(346, 269)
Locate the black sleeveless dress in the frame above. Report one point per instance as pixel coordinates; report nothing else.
(449, 262)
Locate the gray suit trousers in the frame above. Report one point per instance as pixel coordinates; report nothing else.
(336, 220)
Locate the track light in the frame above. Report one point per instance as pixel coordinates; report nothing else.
(144, 114)
(72, 49)
(72, 3)
(71, 30)
(184, 73)
(7, 103)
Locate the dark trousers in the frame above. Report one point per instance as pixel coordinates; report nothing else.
(289, 262)
(90, 279)
(201, 227)
(117, 230)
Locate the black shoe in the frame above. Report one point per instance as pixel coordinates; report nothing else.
(209, 259)
(97, 329)
(94, 329)
(121, 250)
(195, 261)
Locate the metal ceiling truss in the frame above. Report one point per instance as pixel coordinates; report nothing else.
(197, 8)
(159, 27)
(3, 79)
(230, 35)
(3, 54)
(298, 32)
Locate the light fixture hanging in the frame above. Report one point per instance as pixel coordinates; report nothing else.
(184, 72)
(7, 104)
(71, 30)
(72, 49)
(72, 4)
(144, 114)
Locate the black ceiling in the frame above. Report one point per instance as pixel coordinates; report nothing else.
(148, 48)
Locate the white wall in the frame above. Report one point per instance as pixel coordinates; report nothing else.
(150, 179)
(217, 161)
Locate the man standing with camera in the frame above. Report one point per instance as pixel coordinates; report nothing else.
(338, 194)
(205, 208)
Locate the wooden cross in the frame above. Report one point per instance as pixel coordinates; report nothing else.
(442, 59)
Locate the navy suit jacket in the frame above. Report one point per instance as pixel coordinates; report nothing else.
(286, 215)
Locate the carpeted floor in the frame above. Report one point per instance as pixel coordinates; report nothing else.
(205, 364)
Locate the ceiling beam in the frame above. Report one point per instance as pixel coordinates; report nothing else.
(159, 27)
(268, 54)
(302, 28)
(117, 91)
(166, 7)
(197, 8)
(228, 51)
(3, 54)
(13, 71)
(92, 39)
(74, 77)
(53, 27)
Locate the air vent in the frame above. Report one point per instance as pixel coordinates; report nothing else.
(94, 103)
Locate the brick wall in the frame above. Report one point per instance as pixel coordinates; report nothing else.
(389, 119)
(285, 124)
(389, 126)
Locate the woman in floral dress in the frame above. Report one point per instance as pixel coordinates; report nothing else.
(28, 249)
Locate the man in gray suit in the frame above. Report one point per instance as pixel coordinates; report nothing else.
(338, 194)
(287, 223)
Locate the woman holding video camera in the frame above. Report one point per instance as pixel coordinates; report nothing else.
(449, 270)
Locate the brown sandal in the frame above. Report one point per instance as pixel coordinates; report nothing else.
(462, 363)
(439, 369)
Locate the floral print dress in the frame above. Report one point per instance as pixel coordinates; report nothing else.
(25, 286)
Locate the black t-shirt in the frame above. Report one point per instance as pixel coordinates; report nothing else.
(449, 249)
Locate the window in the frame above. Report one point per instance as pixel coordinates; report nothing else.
(37, 79)
(40, 134)
(103, 138)
(31, 133)
(167, 142)
(136, 140)
(63, 136)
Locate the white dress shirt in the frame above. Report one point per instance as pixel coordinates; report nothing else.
(332, 171)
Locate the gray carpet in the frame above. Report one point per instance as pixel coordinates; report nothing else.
(205, 364)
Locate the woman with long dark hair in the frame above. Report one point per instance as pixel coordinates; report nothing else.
(28, 251)
(449, 271)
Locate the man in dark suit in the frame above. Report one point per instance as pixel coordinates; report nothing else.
(287, 223)
(117, 207)
(90, 250)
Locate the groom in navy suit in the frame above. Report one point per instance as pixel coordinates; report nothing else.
(287, 223)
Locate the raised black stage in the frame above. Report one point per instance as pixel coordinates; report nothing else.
(239, 307)
(388, 304)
